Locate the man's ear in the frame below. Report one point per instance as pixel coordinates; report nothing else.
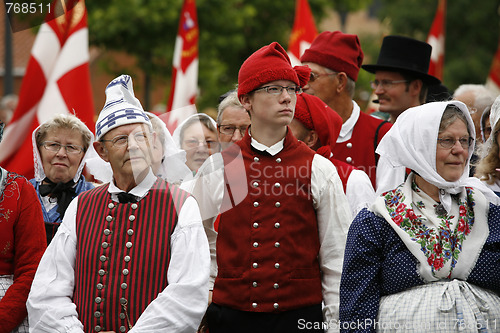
(246, 102)
(155, 139)
(312, 139)
(415, 87)
(342, 80)
(101, 150)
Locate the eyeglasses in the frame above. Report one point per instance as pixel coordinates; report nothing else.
(278, 90)
(313, 76)
(56, 146)
(193, 143)
(448, 143)
(229, 129)
(122, 140)
(385, 84)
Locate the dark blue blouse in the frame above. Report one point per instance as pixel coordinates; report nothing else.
(377, 263)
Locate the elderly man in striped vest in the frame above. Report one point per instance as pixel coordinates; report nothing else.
(130, 255)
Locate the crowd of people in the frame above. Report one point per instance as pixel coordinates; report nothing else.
(292, 211)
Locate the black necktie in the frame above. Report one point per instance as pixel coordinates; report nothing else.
(125, 197)
(63, 192)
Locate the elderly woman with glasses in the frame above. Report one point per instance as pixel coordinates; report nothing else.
(424, 257)
(60, 148)
(197, 135)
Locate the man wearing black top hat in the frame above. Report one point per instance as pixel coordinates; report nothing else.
(401, 82)
(401, 79)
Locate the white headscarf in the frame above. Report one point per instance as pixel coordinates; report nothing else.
(173, 168)
(177, 132)
(412, 141)
(40, 173)
(495, 113)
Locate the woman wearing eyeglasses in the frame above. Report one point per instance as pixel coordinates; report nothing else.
(60, 148)
(197, 135)
(424, 257)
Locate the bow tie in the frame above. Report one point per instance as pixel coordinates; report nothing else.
(63, 192)
(124, 197)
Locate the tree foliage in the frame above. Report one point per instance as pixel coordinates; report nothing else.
(472, 33)
(230, 30)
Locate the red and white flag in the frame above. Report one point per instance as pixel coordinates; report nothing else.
(303, 32)
(185, 69)
(57, 80)
(436, 39)
(493, 80)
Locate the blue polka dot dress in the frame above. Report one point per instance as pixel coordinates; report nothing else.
(381, 290)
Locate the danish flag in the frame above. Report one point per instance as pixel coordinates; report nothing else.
(185, 69)
(57, 80)
(436, 39)
(303, 32)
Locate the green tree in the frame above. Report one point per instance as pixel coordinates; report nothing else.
(230, 30)
(472, 33)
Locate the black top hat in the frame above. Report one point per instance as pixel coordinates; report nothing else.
(403, 54)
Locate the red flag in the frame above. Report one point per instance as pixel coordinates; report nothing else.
(303, 32)
(57, 80)
(493, 81)
(185, 69)
(436, 40)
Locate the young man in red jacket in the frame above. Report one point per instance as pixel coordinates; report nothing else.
(283, 214)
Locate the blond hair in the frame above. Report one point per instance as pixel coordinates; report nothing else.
(64, 121)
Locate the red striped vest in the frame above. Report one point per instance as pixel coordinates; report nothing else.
(268, 245)
(123, 252)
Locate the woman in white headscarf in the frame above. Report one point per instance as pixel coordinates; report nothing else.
(61, 146)
(488, 168)
(197, 135)
(425, 256)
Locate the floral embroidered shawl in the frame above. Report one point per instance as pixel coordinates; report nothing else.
(447, 245)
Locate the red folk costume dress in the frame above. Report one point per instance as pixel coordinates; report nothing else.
(22, 243)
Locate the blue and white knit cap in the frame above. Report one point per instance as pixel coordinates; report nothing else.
(121, 107)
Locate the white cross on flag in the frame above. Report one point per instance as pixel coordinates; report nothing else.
(436, 39)
(57, 80)
(303, 32)
(185, 72)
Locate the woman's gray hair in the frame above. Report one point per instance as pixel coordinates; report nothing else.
(64, 121)
(450, 114)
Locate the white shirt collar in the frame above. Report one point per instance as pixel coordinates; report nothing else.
(273, 150)
(348, 126)
(139, 190)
